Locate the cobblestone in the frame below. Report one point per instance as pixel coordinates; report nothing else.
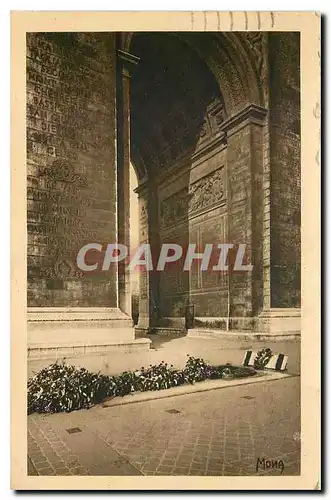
(214, 433)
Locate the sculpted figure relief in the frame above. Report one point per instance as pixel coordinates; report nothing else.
(202, 194)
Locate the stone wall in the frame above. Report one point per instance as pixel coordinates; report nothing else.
(70, 165)
(193, 210)
(285, 201)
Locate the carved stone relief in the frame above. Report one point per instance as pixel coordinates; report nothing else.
(63, 171)
(255, 41)
(63, 268)
(200, 195)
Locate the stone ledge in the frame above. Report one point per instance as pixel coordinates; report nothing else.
(220, 323)
(54, 334)
(251, 113)
(279, 321)
(274, 321)
(71, 327)
(233, 335)
(167, 330)
(171, 322)
(281, 313)
(207, 385)
(59, 314)
(40, 350)
(141, 332)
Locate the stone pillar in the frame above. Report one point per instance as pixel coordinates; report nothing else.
(71, 169)
(144, 293)
(72, 140)
(154, 241)
(251, 221)
(245, 211)
(126, 62)
(281, 312)
(148, 280)
(285, 171)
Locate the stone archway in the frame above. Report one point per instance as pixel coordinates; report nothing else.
(237, 62)
(234, 175)
(183, 156)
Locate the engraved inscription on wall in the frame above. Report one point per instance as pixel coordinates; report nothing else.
(71, 164)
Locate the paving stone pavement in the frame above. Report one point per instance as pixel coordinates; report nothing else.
(217, 433)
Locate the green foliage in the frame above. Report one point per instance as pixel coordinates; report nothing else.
(61, 387)
(64, 388)
(196, 370)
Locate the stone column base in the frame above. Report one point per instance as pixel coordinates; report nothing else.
(141, 331)
(280, 320)
(52, 325)
(89, 337)
(274, 321)
(110, 357)
(62, 314)
(172, 322)
(164, 326)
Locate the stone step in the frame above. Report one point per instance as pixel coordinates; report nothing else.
(44, 349)
(167, 330)
(76, 333)
(114, 356)
(240, 335)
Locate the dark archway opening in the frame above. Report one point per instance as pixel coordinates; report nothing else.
(170, 92)
(176, 112)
